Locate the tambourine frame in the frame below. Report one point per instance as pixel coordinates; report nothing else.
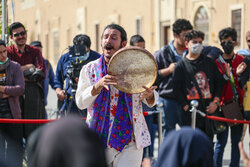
(150, 59)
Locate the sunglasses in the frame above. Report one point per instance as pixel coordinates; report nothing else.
(22, 33)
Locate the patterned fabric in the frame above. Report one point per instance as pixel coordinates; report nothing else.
(122, 127)
(84, 99)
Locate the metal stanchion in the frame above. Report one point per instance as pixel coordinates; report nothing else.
(159, 129)
(194, 104)
(160, 110)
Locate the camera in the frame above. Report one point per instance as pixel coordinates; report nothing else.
(78, 52)
(73, 72)
(33, 74)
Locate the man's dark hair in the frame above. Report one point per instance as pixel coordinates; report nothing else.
(119, 28)
(87, 41)
(36, 43)
(15, 25)
(181, 25)
(82, 39)
(228, 32)
(2, 42)
(136, 39)
(194, 34)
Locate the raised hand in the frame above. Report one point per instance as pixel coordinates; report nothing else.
(104, 83)
(227, 69)
(148, 94)
(241, 68)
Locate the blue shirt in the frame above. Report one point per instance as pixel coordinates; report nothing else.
(176, 55)
(49, 80)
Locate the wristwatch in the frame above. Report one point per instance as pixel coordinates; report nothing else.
(216, 102)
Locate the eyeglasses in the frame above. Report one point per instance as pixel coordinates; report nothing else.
(22, 33)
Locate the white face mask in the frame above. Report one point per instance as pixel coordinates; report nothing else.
(196, 48)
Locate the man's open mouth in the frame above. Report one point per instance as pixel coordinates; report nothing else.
(108, 46)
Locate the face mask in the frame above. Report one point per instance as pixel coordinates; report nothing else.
(4, 61)
(4, 65)
(228, 47)
(196, 48)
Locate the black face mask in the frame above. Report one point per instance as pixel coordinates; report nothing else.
(228, 47)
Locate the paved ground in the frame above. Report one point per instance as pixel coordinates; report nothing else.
(51, 108)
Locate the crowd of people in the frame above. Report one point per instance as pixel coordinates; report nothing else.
(116, 131)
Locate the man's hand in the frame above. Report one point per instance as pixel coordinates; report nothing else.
(27, 66)
(104, 83)
(171, 67)
(2, 89)
(5, 95)
(211, 108)
(76, 79)
(213, 105)
(148, 94)
(60, 94)
(185, 108)
(167, 71)
(227, 69)
(241, 68)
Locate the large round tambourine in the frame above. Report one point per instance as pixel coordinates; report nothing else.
(134, 67)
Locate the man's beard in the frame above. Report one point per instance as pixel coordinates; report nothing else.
(19, 43)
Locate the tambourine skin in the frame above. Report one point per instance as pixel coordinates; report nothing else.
(134, 67)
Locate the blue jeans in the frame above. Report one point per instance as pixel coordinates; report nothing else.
(236, 132)
(172, 111)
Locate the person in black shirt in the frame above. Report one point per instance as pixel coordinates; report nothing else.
(207, 76)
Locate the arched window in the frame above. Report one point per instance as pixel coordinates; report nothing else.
(201, 22)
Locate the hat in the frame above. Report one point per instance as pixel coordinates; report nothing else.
(36, 43)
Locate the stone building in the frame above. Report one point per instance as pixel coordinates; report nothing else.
(56, 22)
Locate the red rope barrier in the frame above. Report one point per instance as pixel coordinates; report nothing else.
(42, 121)
(146, 113)
(227, 120)
(28, 121)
